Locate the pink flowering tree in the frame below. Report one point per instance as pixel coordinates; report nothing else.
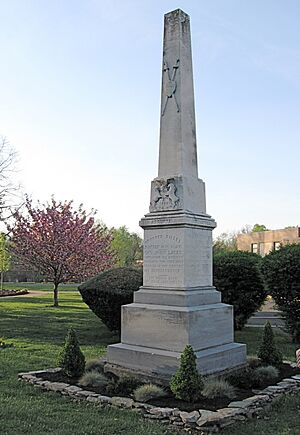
(60, 242)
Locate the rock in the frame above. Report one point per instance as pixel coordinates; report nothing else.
(204, 416)
(239, 404)
(85, 393)
(122, 402)
(57, 386)
(189, 417)
(72, 389)
(165, 412)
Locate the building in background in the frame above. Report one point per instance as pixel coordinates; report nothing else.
(263, 242)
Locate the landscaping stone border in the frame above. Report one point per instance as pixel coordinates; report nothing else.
(200, 420)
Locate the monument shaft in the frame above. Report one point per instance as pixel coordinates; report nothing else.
(177, 304)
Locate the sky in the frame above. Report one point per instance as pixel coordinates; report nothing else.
(80, 95)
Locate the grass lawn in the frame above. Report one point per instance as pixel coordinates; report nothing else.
(37, 331)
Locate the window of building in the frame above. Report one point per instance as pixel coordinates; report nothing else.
(254, 248)
(276, 246)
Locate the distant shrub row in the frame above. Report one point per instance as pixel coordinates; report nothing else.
(243, 278)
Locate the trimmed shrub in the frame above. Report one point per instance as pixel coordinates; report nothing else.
(265, 375)
(238, 278)
(146, 392)
(105, 293)
(215, 388)
(281, 271)
(71, 359)
(268, 352)
(93, 379)
(187, 383)
(94, 365)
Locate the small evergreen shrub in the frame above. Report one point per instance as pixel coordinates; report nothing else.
(107, 292)
(93, 379)
(215, 388)
(237, 276)
(71, 359)
(94, 365)
(146, 392)
(268, 352)
(281, 271)
(187, 383)
(265, 375)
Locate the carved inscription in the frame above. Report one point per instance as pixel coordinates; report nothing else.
(163, 260)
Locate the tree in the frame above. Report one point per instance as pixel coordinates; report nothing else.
(4, 256)
(268, 352)
(59, 242)
(225, 242)
(237, 276)
(9, 190)
(187, 383)
(127, 247)
(71, 359)
(258, 227)
(281, 271)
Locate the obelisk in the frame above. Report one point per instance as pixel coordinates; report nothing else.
(177, 304)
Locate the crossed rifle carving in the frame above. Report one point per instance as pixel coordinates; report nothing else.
(171, 86)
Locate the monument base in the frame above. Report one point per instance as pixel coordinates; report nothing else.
(159, 365)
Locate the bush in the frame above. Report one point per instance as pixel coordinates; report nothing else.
(94, 365)
(187, 383)
(146, 392)
(71, 359)
(124, 386)
(238, 278)
(253, 362)
(105, 293)
(268, 353)
(242, 378)
(265, 375)
(281, 270)
(93, 379)
(215, 388)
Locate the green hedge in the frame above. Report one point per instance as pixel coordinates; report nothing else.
(105, 293)
(281, 270)
(238, 278)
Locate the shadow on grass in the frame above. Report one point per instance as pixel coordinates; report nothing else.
(37, 321)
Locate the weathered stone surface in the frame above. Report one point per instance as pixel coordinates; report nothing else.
(85, 393)
(177, 304)
(72, 389)
(165, 412)
(122, 402)
(57, 386)
(189, 417)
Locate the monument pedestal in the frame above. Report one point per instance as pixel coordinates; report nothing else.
(177, 304)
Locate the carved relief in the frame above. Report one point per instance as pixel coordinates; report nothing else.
(164, 195)
(170, 85)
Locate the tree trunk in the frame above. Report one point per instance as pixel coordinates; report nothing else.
(55, 300)
(1, 280)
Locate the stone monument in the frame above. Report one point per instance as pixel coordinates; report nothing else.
(177, 304)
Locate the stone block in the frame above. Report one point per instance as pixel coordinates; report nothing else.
(171, 328)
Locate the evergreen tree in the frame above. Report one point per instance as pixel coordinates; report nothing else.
(268, 353)
(71, 359)
(187, 383)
